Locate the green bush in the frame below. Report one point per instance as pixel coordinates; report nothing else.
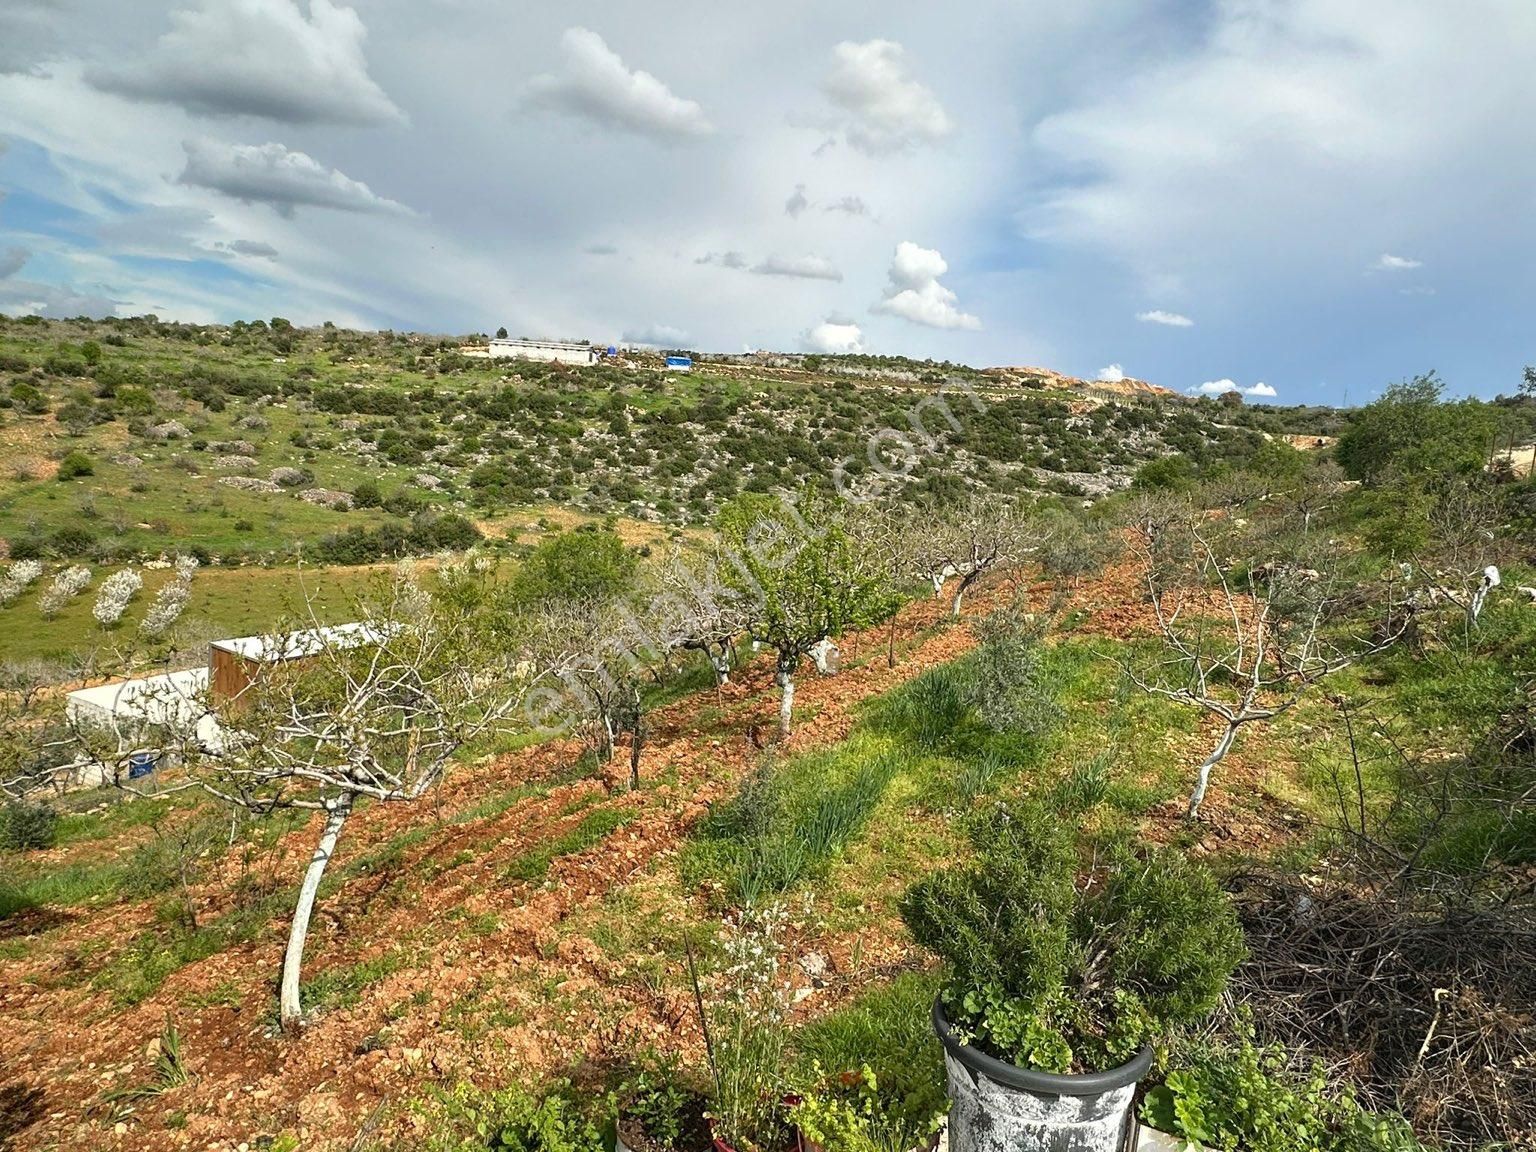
(1242, 1097)
(1048, 972)
(885, 1031)
(77, 463)
(1007, 687)
(25, 825)
(471, 1119)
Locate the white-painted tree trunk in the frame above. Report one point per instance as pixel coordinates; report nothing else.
(786, 700)
(1202, 781)
(298, 932)
(721, 663)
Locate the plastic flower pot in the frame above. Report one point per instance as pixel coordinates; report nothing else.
(999, 1107)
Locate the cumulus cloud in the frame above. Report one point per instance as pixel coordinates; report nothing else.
(797, 203)
(724, 259)
(885, 110)
(915, 294)
(1169, 319)
(656, 336)
(1391, 263)
(1112, 374)
(599, 87)
(12, 260)
(275, 175)
(260, 58)
(808, 267)
(833, 339)
(1220, 387)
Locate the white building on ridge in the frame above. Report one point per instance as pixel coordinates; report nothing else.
(548, 351)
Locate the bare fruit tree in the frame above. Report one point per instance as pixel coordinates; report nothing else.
(691, 607)
(965, 542)
(330, 719)
(1245, 638)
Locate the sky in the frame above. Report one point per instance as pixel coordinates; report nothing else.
(1301, 200)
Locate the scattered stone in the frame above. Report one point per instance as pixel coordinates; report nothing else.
(255, 422)
(234, 463)
(233, 447)
(287, 477)
(128, 460)
(170, 430)
(249, 483)
(328, 498)
(427, 480)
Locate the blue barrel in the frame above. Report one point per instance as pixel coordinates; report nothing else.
(141, 764)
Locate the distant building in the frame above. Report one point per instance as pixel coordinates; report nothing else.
(679, 363)
(234, 664)
(548, 351)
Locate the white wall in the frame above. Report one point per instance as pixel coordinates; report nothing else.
(549, 352)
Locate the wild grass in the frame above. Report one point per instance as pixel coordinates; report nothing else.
(888, 1029)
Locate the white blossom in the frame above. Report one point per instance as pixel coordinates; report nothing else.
(171, 600)
(116, 592)
(65, 587)
(21, 574)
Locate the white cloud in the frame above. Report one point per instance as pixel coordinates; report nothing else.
(732, 259)
(1112, 374)
(597, 86)
(914, 292)
(886, 110)
(808, 267)
(1170, 319)
(1391, 263)
(832, 339)
(797, 203)
(656, 336)
(275, 175)
(1219, 387)
(259, 58)
(852, 205)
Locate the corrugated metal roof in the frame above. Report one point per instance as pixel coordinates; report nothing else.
(291, 645)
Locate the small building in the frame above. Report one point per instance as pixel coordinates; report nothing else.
(679, 363)
(234, 664)
(137, 714)
(547, 351)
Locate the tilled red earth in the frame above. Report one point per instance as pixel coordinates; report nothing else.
(481, 981)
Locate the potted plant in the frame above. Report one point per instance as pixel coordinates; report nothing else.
(661, 1109)
(1060, 976)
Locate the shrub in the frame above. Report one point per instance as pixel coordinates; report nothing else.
(77, 463)
(470, 1119)
(1007, 688)
(25, 825)
(72, 540)
(1049, 973)
(1239, 1096)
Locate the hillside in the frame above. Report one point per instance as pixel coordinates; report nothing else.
(256, 443)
